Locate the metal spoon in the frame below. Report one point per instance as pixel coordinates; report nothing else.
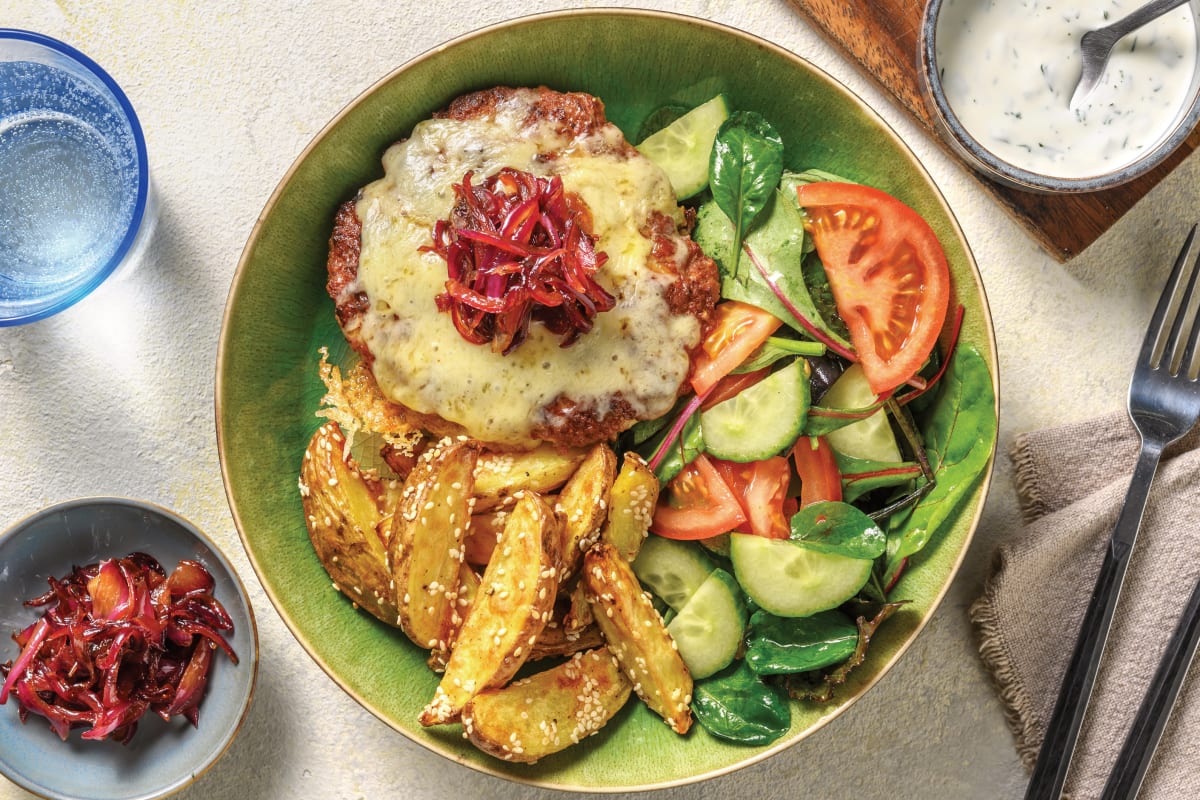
(1096, 46)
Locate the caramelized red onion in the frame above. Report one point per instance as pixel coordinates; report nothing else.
(517, 250)
(117, 639)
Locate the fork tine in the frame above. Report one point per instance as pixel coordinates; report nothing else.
(1154, 346)
(1181, 327)
(1188, 363)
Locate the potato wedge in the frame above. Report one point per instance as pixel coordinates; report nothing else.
(555, 641)
(630, 506)
(501, 475)
(512, 605)
(468, 587)
(482, 535)
(425, 548)
(582, 505)
(540, 715)
(637, 636)
(342, 510)
(579, 610)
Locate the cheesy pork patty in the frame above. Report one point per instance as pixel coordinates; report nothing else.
(384, 277)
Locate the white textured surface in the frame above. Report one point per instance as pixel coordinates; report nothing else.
(115, 396)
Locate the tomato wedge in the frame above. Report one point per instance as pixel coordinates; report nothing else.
(817, 467)
(888, 274)
(761, 489)
(732, 385)
(697, 504)
(739, 329)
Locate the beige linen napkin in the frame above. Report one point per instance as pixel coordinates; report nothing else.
(1071, 482)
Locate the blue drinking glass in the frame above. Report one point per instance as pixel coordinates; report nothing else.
(74, 178)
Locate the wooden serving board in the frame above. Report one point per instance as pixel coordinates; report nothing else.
(880, 37)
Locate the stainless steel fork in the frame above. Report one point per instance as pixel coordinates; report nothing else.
(1164, 404)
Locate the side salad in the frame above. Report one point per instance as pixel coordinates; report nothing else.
(834, 422)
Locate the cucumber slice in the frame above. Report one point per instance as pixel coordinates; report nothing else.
(869, 438)
(790, 580)
(708, 629)
(761, 421)
(672, 570)
(682, 148)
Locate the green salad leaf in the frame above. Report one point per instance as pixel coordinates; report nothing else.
(737, 705)
(776, 244)
(781, 645)
(819, 686)
(777, 348)
(839, 528)
(861, 476)
(960, 436)
(681, 453)
(744, 171)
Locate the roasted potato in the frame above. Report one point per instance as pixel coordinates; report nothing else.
(425, 548)
(342, 511)
(637, 636)
(555, 641)
(583, 505)
(482, 536)
(547, 712)
(579, 610)
(502, 474)
(512, 605)
(630, 506)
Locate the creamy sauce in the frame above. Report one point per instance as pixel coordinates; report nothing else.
(638, 349)
(1009, 68)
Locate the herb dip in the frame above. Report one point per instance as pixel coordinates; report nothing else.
(1009, 67)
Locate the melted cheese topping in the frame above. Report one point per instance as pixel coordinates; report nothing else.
(638, 350)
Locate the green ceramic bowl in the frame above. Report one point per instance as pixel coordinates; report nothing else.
(278, 315)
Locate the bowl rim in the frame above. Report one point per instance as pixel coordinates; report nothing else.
(141, 202)
(177, 519)
(797, 60)
(983, 160)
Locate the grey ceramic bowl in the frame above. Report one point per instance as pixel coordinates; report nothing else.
(996, 168)
(162, 757)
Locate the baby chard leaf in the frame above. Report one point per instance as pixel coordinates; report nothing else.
(744, 171)
(960, 437)
(861, 476)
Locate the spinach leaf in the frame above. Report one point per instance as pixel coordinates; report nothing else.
(744, 171)
(819, 687)
(838, 528)
(861, 475)
(781, 645)
(735, 704)
(960, 437)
